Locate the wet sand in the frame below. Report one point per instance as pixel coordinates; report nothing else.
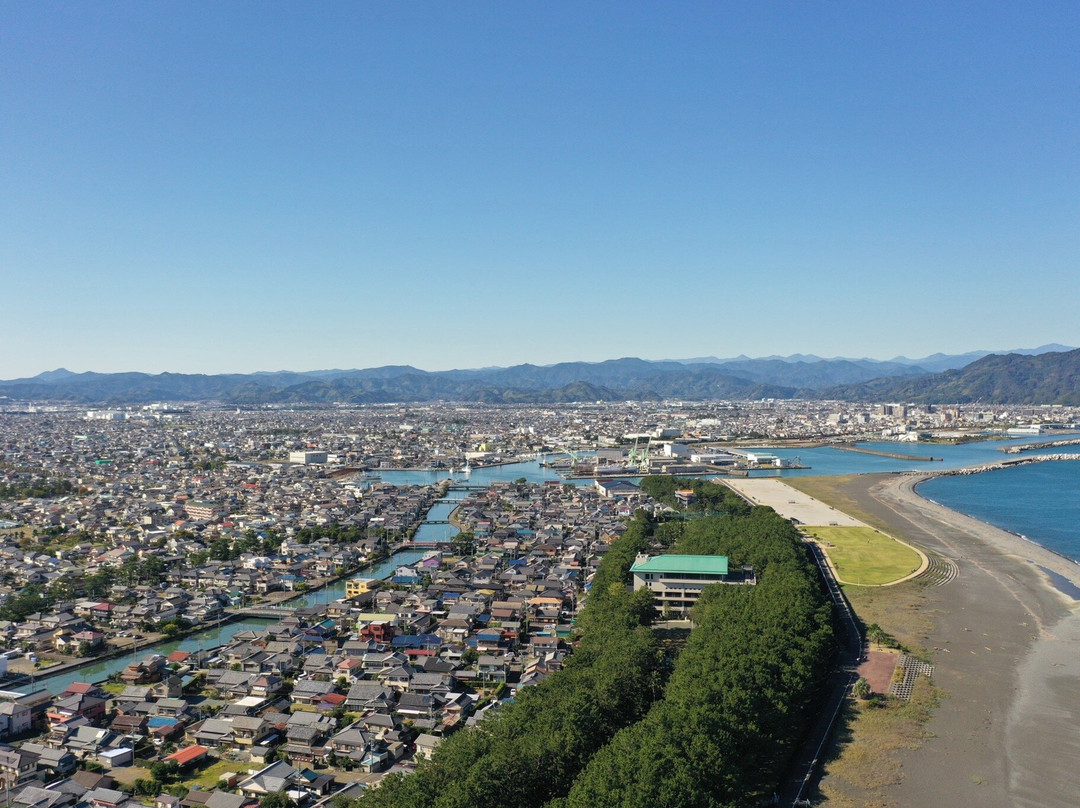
(1006, 648)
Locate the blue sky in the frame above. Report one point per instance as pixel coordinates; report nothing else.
(230, 187)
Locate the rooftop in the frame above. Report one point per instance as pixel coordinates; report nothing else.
(697, 564)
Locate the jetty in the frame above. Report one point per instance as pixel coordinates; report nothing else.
(894, 455)
(1005, 464)
(1045, 444)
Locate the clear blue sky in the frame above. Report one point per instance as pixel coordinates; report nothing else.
(240, 186)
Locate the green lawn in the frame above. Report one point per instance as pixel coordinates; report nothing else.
(862, 555)
(208, 777)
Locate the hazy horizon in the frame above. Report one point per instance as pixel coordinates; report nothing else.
(803, 357)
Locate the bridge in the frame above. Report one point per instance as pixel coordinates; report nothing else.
(270, 612)
(435, 522)
(460, 487)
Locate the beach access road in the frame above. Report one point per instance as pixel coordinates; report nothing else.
(1006, 650)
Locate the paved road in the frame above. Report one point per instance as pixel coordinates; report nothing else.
(806, 768)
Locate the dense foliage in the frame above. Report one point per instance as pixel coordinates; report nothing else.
(709, 497)
(741, 692)
(529, 752)
(596, 734)
(40, 487)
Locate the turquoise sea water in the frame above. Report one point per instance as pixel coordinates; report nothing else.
(1040, 502)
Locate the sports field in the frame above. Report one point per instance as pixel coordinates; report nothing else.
(863, 556)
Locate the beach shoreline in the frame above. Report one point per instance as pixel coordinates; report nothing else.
(1017, 543)
(1005, 642)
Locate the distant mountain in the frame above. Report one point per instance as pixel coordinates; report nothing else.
(627, 378)
(58, 375)
(817, 374)
(935, 363)
(1045, 378)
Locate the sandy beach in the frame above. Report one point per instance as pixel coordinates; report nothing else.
(1006, 646)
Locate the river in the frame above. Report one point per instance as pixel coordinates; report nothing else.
(1039, 501)
(220, 635)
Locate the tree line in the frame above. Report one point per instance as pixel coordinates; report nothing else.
(709, 497)
(37, 487)
(528, 753)
(617, 727)
(743, 690)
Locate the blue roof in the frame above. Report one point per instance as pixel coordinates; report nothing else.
(415, 641)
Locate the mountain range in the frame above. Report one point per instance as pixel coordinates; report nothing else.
(1049, 374)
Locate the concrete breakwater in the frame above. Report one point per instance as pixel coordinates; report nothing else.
(1004, 464)
(1048, 444)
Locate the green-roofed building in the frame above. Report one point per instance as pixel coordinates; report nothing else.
(677, 580)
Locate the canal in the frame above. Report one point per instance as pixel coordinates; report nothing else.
(426, 534)
(213, 637)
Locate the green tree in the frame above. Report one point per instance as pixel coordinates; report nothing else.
(861, 689)
(464, 543)
(164, 771)
(147, 787)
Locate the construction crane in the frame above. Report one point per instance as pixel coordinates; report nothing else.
(639, 456)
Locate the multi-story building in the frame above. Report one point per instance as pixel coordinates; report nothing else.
(677, 580)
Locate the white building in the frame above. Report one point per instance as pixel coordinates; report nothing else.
(307, 458)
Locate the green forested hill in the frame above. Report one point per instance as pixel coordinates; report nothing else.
(1049, 378)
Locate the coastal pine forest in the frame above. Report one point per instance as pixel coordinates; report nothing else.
(629, 724)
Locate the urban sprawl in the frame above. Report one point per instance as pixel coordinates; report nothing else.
(124, 528)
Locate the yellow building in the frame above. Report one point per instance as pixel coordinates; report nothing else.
(355, 587)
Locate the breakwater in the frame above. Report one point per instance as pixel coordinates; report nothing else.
(1006, 464)
(1046, 444)
(847, 447)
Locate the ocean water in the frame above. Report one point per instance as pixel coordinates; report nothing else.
(828, 460)
(1040, 502)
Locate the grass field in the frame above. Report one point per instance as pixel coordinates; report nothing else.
(865, 756)
(208, 777)
(865, 557)
(865, 753)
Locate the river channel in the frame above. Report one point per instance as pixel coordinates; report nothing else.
(822, 461)
(220, 635)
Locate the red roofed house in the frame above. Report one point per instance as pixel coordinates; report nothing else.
(188, 756)
(330, 702)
